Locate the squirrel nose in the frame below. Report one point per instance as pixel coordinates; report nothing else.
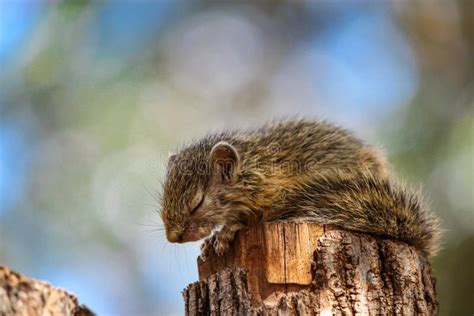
(174, 236)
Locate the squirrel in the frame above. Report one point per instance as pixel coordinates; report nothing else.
(288, 170)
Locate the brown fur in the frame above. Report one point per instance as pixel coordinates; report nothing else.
(289, 170)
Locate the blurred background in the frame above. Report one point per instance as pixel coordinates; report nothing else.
(95, 94)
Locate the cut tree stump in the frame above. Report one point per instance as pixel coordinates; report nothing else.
(20, 295)
(310, 269)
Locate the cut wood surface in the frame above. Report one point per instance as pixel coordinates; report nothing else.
(309, 269)
(20, 295)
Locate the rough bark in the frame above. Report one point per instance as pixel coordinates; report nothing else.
(308, 269)
(20, 295)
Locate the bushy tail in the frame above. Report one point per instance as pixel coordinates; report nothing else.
(366, 203)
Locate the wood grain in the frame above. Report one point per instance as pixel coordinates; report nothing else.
(308, 269)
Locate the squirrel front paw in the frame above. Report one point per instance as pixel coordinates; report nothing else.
(216, 244)
(219, 242)
(220, 246)
(207, 248)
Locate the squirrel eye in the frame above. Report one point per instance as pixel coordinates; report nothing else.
(197, 202)
(198, 206)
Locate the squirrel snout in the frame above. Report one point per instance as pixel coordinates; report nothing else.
(174, 236)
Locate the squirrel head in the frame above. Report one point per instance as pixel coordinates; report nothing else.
(196, 181)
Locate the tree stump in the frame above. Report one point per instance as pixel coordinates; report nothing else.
(20, 295)
(310, 269)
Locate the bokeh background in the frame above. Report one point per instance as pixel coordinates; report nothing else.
(95, 94)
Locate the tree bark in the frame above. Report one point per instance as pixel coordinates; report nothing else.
(309, 269)
(20, 295)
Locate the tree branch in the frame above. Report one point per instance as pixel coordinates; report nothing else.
(20, 295)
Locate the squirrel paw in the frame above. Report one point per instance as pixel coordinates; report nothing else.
(207, 248)
(220, 246)
(214, 245)
(218, 243)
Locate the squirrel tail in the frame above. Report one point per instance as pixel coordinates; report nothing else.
(367, 203)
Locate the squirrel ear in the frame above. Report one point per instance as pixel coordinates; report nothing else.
(225, 161)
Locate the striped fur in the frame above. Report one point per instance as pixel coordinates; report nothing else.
(295, 169)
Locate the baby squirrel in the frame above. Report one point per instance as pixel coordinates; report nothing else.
(296, 169)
